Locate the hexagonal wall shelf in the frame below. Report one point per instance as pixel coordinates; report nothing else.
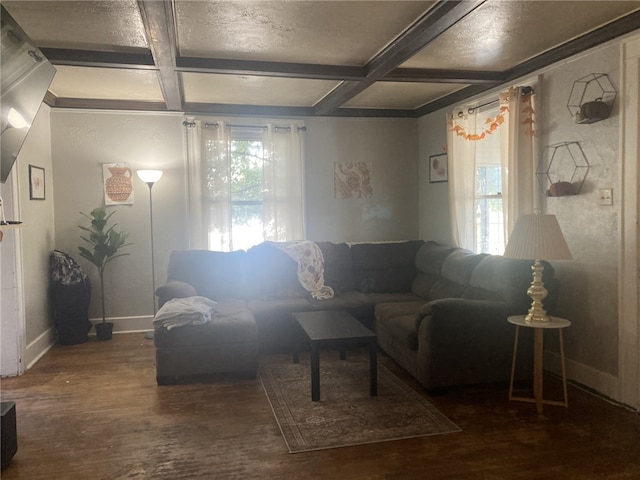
(591, 98)
(562, 169)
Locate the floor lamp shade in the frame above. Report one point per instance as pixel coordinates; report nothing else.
(149, 176)
(537, 237)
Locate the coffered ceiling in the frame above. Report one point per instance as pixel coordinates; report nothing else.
(348, 58)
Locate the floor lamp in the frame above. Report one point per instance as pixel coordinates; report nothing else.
(150, 177)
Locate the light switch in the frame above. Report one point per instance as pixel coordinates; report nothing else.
(606, 196)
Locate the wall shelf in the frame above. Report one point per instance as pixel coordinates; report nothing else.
(591, 98)
(562, 169)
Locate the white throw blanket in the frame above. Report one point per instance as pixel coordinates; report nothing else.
(178, 312)
(310, 262)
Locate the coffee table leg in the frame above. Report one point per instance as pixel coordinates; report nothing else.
(315, 374)
(373, 369)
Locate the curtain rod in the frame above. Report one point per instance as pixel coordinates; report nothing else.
(470, 110)
(229, 125)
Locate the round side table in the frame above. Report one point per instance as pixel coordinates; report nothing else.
(554, 323)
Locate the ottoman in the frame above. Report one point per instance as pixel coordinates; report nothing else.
(228, 344)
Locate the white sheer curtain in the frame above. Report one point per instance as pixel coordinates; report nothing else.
(197, 231)
(283, 192)
(216, 186)
(518, 158)
(210, 189)
(462, 178)
(519, 155)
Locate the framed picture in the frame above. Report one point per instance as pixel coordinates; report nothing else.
(36, 183)
(438, 168)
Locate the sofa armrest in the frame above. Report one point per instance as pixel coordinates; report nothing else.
(174, 289)
(464, 342)
(464, 310)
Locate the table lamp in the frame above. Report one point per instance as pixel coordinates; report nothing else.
(537, 237)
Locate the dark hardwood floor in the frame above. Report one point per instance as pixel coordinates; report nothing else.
(94, 411)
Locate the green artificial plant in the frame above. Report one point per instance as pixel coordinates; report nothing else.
(105, 243)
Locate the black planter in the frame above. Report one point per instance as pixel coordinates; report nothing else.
(104, 331)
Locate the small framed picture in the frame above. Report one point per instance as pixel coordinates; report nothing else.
(36, 183)
(438, 168)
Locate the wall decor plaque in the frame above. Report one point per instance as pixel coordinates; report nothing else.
(118, 184)
(352, 180)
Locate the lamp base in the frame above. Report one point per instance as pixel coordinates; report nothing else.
(536, 318)
(537, 292)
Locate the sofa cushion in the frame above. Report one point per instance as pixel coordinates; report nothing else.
(445, 288)
(338, 269)
(276, 328)
(274, 273)
(215, 275)
(423, 283)
(459, 265)
(386, 311)
(385, 267)
(344, 301)
(402, 329)
(230, 323)
(431, 256)
(506, 279)
(455, 274)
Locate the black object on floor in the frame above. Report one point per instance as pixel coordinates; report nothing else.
(8, 433)
(70, 295)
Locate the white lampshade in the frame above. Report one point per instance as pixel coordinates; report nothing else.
(149, 176)
(537, 237)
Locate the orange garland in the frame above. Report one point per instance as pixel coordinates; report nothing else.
(493, 122)
(529, 112)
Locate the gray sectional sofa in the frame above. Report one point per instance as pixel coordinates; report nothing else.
(438, 311)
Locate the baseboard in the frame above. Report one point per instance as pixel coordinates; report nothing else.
(602, 383)
(41, 345)
(142, 323)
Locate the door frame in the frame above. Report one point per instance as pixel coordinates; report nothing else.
(629, 229)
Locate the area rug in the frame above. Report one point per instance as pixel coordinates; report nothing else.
(346, 414)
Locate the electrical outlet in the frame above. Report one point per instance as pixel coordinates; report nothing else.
(606, 196)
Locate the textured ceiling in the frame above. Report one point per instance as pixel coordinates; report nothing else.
(353, 58)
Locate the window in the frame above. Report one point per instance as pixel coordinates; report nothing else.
(245, 184)
(247, 192)
(492, 157)
(489, 219)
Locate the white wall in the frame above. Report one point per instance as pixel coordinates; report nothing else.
(38, 230)
(390, 147)
(589, 296)
(26, 322)
(83, 141)
(433, 203)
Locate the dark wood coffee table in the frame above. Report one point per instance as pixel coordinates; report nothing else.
(335, 329)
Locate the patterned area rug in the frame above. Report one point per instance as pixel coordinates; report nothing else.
(346, 414)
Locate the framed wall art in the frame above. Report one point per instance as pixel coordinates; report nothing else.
(36, 183)
(438, 168)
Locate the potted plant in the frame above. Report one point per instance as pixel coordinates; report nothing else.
(105, 243)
